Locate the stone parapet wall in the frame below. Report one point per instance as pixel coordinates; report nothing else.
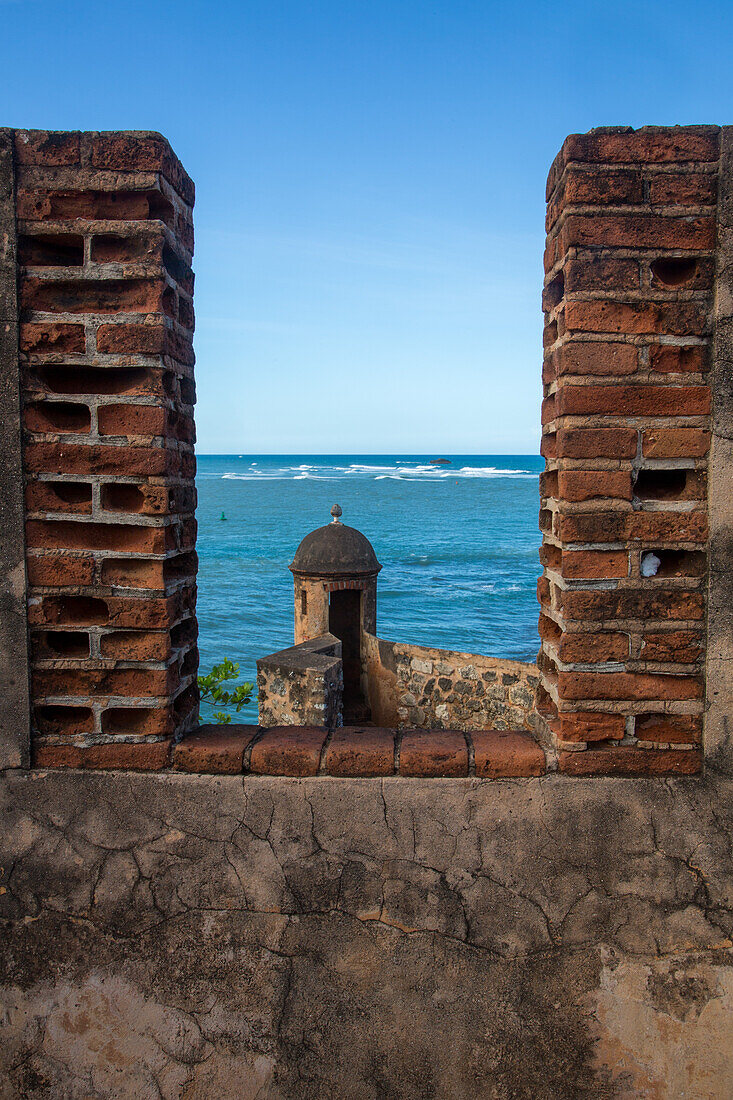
(628, 300)
(105, 242)
(426, 688)
(214, 936)
(302, 685)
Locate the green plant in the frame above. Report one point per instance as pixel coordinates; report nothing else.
(212, 691)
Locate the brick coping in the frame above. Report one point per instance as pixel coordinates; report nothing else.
(365, 752)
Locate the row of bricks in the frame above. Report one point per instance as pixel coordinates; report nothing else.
(123, 459)
(579, 485)
(110, 419)
(67, 646)
(668, 647)
(626, 443)
(592, 726)
(635, 318)
(144, 249)
(145, 718)
(612, 359)
(637, 231)
(615, 564)
(65, 380)
(621, 400)
(130, 612)
(61, 569)
(586, 275)
(649, 145)
(633, 603)
(643, 187)
(51, 339)
(104, 296)
(78, 683)
(623, 686)
(68, 534)
(353, 752)
(675, 527)
(78, 497)
(111, 150)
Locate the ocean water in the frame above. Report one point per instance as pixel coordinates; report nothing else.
(458, 545)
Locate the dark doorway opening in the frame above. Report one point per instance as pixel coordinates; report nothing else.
(344, 621)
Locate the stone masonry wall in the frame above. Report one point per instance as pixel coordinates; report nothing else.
(426, 688)
(302, 685)
(105, 241)
(630, 262)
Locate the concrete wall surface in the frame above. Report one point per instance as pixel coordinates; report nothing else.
(201, 936)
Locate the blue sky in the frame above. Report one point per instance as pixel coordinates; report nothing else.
(370, 187)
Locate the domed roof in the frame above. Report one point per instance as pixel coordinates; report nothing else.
(335, 551)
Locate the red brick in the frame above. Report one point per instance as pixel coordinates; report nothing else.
(690, 189)
(669, 728)
(627, 685)
(216, 750)
(638, 400)
(59, 496)
(433, 753)
(288, 750)
(46, 148)
(92, 295)
(593, 272)
(627, 760)
(680, 646)
(154, 339)
(597, 443)
(579, 485)
(150, 721)
(131, 420)
(126, 756)
(64, 720)
(506, 753)
(637, 231)
(669, 318)
(652, 145)
(57, 417)
(668, 526)
(594, 564)
(53, 534)
(671, 358)
(142, 152)
(591, 726)
(596, 357)
(35, 204)
(354, 751)
(56, 570)
(52, 339)
(629, 603)
(136, 645)
(133, 573)
(90, 681)
(144, 246)
(584, 648)
(675, 442)
(80, 458)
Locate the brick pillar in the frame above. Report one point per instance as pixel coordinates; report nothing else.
(105, 242)
(626, 428)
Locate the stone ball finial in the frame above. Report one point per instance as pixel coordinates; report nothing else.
(336, 513)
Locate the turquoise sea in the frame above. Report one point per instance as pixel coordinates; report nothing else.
(458, 545)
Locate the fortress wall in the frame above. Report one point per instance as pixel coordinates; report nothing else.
(268, 936)
(104, 362)
(427, 688)
(629, 293)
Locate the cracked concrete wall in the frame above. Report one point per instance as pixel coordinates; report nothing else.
(198, 936)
